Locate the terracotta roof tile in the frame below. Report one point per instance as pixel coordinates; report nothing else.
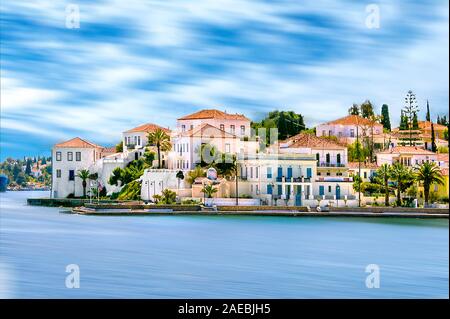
(353, 165)
(311, 141)
(426, 125)
(352, 120)
(213, 114)
(407, 150)
(77, 143)
(147, 128)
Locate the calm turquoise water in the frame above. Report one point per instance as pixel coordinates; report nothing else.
(217, 257)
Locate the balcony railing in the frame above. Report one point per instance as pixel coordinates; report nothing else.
(293, 179)
(326, 164)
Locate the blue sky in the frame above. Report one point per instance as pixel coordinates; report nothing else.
(133, 62)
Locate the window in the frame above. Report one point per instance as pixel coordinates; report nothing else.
(340, 134)
(330, 133)
(321, 190)
(251, 172)
(78, 156)
(58, 173)
(308, 172)
(352, 133)
(257, 172)
(323, 133)
(192, 127)
(71, 175)
(183, 128)
(227, 148)
(269, 172)
(338, 159)
(135, 140)
(328, 158)
(365, 174)
(317, 157)
(242, 129)
(232, 129)
(222, 127)
(329, 189)
(70, 156)
(139, 140)
(58, 156)
(269, 189)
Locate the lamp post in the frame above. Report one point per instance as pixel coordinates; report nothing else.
(359, 164)
(237, 182)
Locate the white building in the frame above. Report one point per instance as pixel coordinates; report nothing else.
(67, 159)
(347, 128)
(407, 155)
(365, 170)
(228, 133)
(136, 139)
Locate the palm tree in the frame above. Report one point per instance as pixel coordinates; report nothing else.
(180, 176)
(84, 174)
(209, 190)
(192, 175)
(161, 140)
(384, 173)
(429, 173)
(402, 176)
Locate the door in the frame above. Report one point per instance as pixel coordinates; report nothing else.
(289, 172)
(338, 192)
(298, 196)
(321, 190)
(309, 172)
(280, 172)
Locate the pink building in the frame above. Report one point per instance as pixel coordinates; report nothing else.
(407, 155)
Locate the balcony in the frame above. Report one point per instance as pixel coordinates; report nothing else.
(326, 164)
(293, 180)
(335, 179)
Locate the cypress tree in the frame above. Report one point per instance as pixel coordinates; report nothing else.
(433, 139)
(428, 117)
(28, 168)
(385, 120)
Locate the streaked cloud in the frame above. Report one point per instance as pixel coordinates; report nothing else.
(133, 62)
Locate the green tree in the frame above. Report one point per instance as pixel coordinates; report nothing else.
(161, 140)
(28, 167)
(403, 122)
(385, 119)
(180, 177)
(288, 123)
(149, 157)
(403, 177)
(354, 109)
(84, 174)
(428, 117)
(168, 197)
(410, 110)
(428, 174)
(119, 147)
(209, 190)
(415, 122)
(433, 139)
(383, 175)
(195, 173)
(367, 109)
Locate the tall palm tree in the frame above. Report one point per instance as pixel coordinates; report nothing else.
(384, 173)
(161, 140)
(84, 174)
(429, 173)
(402, 176)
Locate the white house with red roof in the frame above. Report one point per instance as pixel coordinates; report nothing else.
(347, 128)
(406, 155)
(68, 158)
(228, 133)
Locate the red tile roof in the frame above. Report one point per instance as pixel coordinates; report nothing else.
(311, 141)
(413, 150)
(352, 120)
(426, 125)
(353, 165)
(213, 114)
(77, 143)
(147, 128)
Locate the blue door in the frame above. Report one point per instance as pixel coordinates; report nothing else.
(280, 190)
(280, 172)
(309, 172)
(269, 189)
(321, 190)
(338, 192)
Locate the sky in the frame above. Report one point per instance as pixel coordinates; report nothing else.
(133, 62)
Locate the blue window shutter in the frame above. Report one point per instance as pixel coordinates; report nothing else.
(309, 172)
(269, 189)
(321, 190)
